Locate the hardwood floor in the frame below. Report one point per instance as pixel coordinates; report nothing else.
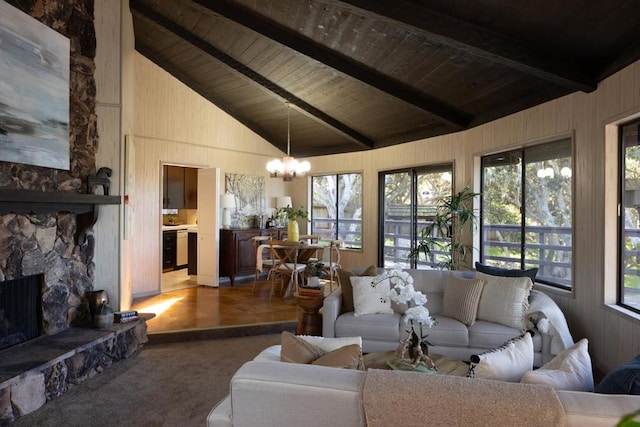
(202, 307)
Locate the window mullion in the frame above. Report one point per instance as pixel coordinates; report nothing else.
(523, 189)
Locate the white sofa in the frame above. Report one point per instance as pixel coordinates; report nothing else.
(383, 332)
(268, 393)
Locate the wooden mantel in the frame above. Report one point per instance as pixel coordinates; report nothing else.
(85, 206)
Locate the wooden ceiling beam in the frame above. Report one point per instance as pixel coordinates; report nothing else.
(293, 40)
(481, 42)
(144, 12)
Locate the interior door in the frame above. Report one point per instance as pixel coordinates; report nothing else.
(208, 234)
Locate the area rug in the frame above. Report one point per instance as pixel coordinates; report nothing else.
(173, 384)
(410, 399)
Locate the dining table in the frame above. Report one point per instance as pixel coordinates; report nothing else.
(305, 253)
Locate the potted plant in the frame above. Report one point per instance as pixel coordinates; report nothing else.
(444, 233)
(314, 271)
(293, 230)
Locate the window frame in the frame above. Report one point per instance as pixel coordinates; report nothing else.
(337, 219)
(523, 211)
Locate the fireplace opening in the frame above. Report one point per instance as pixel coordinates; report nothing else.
(20, 310)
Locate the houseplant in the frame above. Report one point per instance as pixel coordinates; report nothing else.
(293, 230)
(444, 234)
(314, 271)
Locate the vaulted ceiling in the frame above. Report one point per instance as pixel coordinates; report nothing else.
(363, 74)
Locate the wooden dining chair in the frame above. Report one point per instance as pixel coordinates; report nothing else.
(264, 259)
(331, 268)
(310, 238)
(285, 254)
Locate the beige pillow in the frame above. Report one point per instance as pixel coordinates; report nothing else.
(297, 350)
(569, 370)
(347, 357)
(369, 299)
(344, 278)
(504, 300)
(506, 363)
(461, 298)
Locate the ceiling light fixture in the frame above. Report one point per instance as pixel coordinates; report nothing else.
(288, 168)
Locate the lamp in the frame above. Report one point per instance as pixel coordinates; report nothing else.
(227, 201)
(288, 168)
(283, 202)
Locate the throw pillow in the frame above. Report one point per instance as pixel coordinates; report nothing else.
(330, 344)
(461, 298)
(624, 379)
(347, 357)
(345, 284)
(506, 272)
(506, 363)
(569, 370)
(296, 350)
(369, 299)
(504, 300)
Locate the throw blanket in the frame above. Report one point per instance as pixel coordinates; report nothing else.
(549, 319)
(407, 399)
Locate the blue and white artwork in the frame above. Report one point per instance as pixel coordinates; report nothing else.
(34, 91)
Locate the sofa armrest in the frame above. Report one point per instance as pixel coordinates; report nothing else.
(330, 312)
(220, 415)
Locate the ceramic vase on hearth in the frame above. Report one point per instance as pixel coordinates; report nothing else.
(95, 298)
(104, 316)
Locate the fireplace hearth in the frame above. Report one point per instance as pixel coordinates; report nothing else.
(20, 310)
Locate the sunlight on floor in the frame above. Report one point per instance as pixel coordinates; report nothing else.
(160, 307)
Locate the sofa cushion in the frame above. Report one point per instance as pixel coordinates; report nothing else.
(504, 300)
(368, 299)
(506, 272)
(461, 298)
(345, 285)
(347, 357)
(624, 379)
(446, 332)
(375, 327)
(569, 370)
(506, 363)
(484, 334)
(297, 350)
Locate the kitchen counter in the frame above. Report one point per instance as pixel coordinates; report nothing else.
(189, 227)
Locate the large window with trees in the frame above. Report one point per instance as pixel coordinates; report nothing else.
(527, 211)
(629, 225)
(408, 200)
(336, 212)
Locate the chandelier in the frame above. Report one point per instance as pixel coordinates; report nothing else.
(288, 168)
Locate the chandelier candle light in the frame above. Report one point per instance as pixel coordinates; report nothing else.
(288, 168)
(412, 351)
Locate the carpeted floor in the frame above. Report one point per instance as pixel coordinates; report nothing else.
(171, 384)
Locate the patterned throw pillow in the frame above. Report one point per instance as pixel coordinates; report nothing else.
(508, 362)
(369, 299)
(507, 272)
(344, 278)
(461, 298)
(297, 349)
(504, 300)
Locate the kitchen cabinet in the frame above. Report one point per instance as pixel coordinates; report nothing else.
(192, 268)
(182, 248)
(237, 251)
(169, 249)
(180, 188)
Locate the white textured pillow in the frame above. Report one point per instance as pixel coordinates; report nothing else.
(569, 370)
(330, 344)
(508, 362)
(504, 300)
(461, 297)
(369, 299)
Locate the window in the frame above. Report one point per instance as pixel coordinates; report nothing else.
(337, 208)
(407, 203)
(527, 211)
(629, 218)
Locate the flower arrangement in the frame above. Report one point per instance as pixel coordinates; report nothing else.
(292, 214)
(412, 350)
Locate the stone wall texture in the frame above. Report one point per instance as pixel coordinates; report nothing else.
(32, 244)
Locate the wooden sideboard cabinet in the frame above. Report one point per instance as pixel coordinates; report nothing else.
(237, 252)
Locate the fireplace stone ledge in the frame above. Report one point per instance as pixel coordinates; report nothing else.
(43, 368)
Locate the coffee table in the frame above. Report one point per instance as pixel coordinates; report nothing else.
(446, 365)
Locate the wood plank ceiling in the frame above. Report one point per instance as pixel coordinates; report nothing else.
(363, 74)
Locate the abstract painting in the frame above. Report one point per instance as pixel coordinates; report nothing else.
(34, 91)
